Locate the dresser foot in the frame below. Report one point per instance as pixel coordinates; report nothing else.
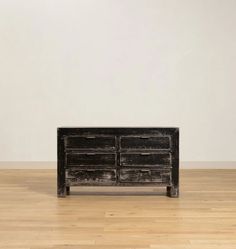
(61, 193)
(172, 191)
(68, 190)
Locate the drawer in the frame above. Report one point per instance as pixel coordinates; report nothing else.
(90, 159)
(145, 176)
(145, 142)
(145, 159)
(90, 142)
(90, 176)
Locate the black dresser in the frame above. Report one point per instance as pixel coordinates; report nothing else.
(118, 157)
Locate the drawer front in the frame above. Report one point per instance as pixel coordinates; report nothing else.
(145, 142)
(145, 176)
(145, 159)
(90, 159)
(93, 176)
(90, 142)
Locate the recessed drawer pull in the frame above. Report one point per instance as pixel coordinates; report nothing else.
(90, 154)
(144, 171)
(90, 137)
(144, 137)
(90, 170)
(145, 154)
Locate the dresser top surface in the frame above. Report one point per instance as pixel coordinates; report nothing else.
(63, 131)
(115, 127)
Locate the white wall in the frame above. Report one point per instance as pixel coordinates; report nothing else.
(117, 63)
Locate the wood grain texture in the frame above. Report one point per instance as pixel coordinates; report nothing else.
(32, 217)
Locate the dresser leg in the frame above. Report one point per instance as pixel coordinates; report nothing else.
(61, 192)
(172, 191)
(68, 190)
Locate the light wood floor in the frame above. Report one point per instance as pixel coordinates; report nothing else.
(31, 216)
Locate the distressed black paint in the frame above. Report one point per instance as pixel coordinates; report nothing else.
(118, 156)
(145, 142)
(61, 180)
(145, 159)
(77, 176)
(145, 175)
(90, 159)
(90, 142)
